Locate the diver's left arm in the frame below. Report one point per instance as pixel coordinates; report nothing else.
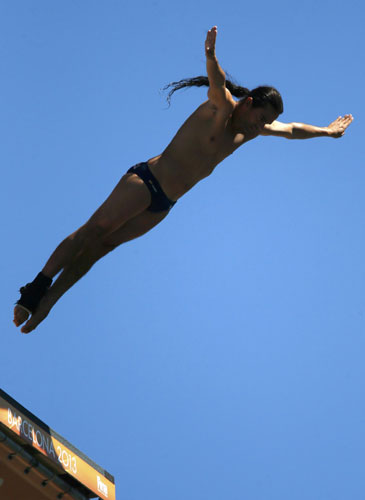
(303, 131)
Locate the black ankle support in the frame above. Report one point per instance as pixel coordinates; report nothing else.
(32, 293)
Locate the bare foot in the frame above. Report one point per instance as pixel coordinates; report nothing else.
(39, 315)
(20, 315)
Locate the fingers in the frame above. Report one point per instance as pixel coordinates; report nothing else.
(210, 41)
(338, 127)
(211, 36)
(213, 30)
(346, 121)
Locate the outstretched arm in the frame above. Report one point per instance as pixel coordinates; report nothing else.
(302, 131)
(217, 93)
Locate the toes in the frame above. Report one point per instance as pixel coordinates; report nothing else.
(20, 315)
(27, 329)
(39, 315)
(30, 325)
(34, 321)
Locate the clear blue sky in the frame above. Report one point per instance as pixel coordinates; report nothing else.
(221, 356)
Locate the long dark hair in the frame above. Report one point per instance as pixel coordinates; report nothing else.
(261, 95)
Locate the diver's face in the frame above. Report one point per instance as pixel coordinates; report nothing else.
(254, 119)
(262, 116)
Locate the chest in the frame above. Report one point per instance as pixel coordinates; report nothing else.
(223, 141)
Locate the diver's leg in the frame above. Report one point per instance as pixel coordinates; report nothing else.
(134, 228)
(129, 198)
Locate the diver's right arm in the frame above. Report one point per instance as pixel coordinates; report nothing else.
(218, 94)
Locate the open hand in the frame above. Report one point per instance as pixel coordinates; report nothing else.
(210, 42)
(337, 128)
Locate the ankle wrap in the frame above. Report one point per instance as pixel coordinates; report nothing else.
(32, 293)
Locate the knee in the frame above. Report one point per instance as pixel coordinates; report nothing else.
(92, 253)
(91, 234)
(106, 248)
(96, 243)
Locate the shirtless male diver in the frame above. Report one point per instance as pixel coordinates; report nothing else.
(146, 193)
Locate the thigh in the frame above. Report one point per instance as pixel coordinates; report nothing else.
(134, 228)
(129, 198)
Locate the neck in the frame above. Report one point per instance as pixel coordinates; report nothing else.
(237, 123)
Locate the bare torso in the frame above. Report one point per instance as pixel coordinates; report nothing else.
(203, 141)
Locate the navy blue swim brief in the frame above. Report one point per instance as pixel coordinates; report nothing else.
(159, 201)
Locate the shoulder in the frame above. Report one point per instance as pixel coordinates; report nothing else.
(217, 111)
(221, 98)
